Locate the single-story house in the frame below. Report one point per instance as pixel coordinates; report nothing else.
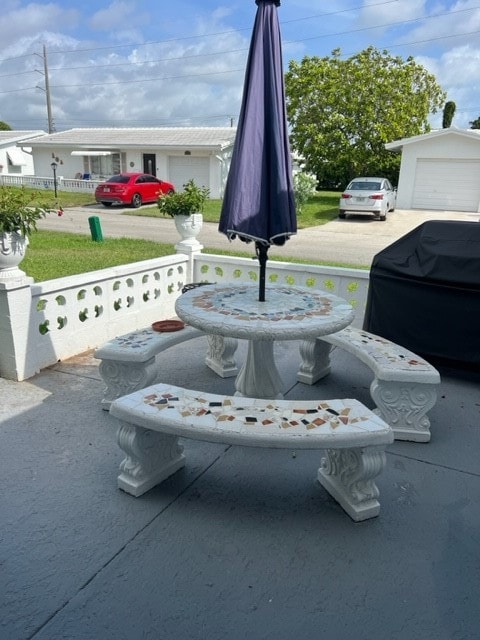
(16, 161)
(439, 170)
(174, 154)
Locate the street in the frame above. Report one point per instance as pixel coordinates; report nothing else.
(353, 241)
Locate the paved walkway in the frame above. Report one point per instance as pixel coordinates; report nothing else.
(242, 543)
(354, 241)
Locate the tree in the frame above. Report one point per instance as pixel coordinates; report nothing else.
(475, 124)
(448, 113)
(342, 112)
(4, 126)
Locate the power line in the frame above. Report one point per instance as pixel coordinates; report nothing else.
(224, 52)
(207, 35)
(176, 77)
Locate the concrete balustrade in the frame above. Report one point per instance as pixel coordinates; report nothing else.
(42, 323)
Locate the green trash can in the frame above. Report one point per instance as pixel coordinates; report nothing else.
(95, 228)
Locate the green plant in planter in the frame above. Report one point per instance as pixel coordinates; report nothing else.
(20, 210)
(184, 203)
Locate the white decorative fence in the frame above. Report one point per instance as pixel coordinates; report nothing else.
(43, 323)
(63, 184)
(351, 284)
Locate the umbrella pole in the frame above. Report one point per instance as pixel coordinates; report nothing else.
(262, 255)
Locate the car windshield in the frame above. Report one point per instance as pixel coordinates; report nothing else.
(364, 186)
(120, 179)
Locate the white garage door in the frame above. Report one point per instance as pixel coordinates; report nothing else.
(181, 169)
(450, 185)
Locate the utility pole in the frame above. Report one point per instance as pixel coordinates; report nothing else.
(51, 126)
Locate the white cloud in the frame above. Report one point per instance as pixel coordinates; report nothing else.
(376, 13)
(191, 71)
(26, 22)
(458, 73)
(119, 15)
(462, 18)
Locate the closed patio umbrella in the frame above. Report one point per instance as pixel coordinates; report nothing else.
(258, 204)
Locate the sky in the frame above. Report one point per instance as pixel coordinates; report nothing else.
(138, 63)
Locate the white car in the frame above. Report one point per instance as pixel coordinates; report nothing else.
(368, 196)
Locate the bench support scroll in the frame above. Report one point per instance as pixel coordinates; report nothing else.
(151, 458)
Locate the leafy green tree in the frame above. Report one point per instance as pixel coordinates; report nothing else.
(4, 126)
(475, 124)
(448, 113)
(342, 112)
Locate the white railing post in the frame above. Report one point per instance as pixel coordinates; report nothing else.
(17, 357)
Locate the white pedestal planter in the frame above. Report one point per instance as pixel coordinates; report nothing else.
(12, 252)
(189, 227)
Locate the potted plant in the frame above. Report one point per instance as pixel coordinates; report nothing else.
(185, 208)
(19, 212)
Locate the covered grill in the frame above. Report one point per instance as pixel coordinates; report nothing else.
(424, 293)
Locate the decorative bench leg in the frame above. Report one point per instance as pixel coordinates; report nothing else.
(123, 378)
(220, 356)
(315, 361)
(404, 406)
(347, 474)
(151, 458)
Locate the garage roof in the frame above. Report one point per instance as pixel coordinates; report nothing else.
(397, 145)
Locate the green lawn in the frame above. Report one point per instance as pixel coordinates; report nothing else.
(54, 254)
(320, 209)
(64, 198)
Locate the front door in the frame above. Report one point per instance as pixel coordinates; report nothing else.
(150, 163)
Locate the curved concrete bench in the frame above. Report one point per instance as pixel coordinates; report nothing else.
(152, 419)
(128, 361)
(404, 386)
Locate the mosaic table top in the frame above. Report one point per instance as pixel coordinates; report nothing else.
(288, 313)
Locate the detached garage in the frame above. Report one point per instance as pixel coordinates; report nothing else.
(439, 170)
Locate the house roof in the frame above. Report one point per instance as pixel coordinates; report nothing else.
(174, 137)
(397, 145)
(10, 138)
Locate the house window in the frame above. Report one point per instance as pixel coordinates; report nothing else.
(105, 165)
(13, 168)
(102, 166)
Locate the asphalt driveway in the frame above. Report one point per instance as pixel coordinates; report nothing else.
(354, 241)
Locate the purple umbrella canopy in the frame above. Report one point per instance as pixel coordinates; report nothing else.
(258, 203)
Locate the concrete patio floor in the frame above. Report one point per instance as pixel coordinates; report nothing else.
(242, 543)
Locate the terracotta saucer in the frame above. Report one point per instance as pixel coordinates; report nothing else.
(168, 325)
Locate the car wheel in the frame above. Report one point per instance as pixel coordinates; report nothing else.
(107, 204)
(170, 191)
(341, 214)
(383, 217)
(136, 201)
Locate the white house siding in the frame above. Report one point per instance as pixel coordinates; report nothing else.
(440, 171)
(14, 160)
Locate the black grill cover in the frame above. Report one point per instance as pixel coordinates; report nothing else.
(424, 293)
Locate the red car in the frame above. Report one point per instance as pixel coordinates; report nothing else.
(131, 189)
